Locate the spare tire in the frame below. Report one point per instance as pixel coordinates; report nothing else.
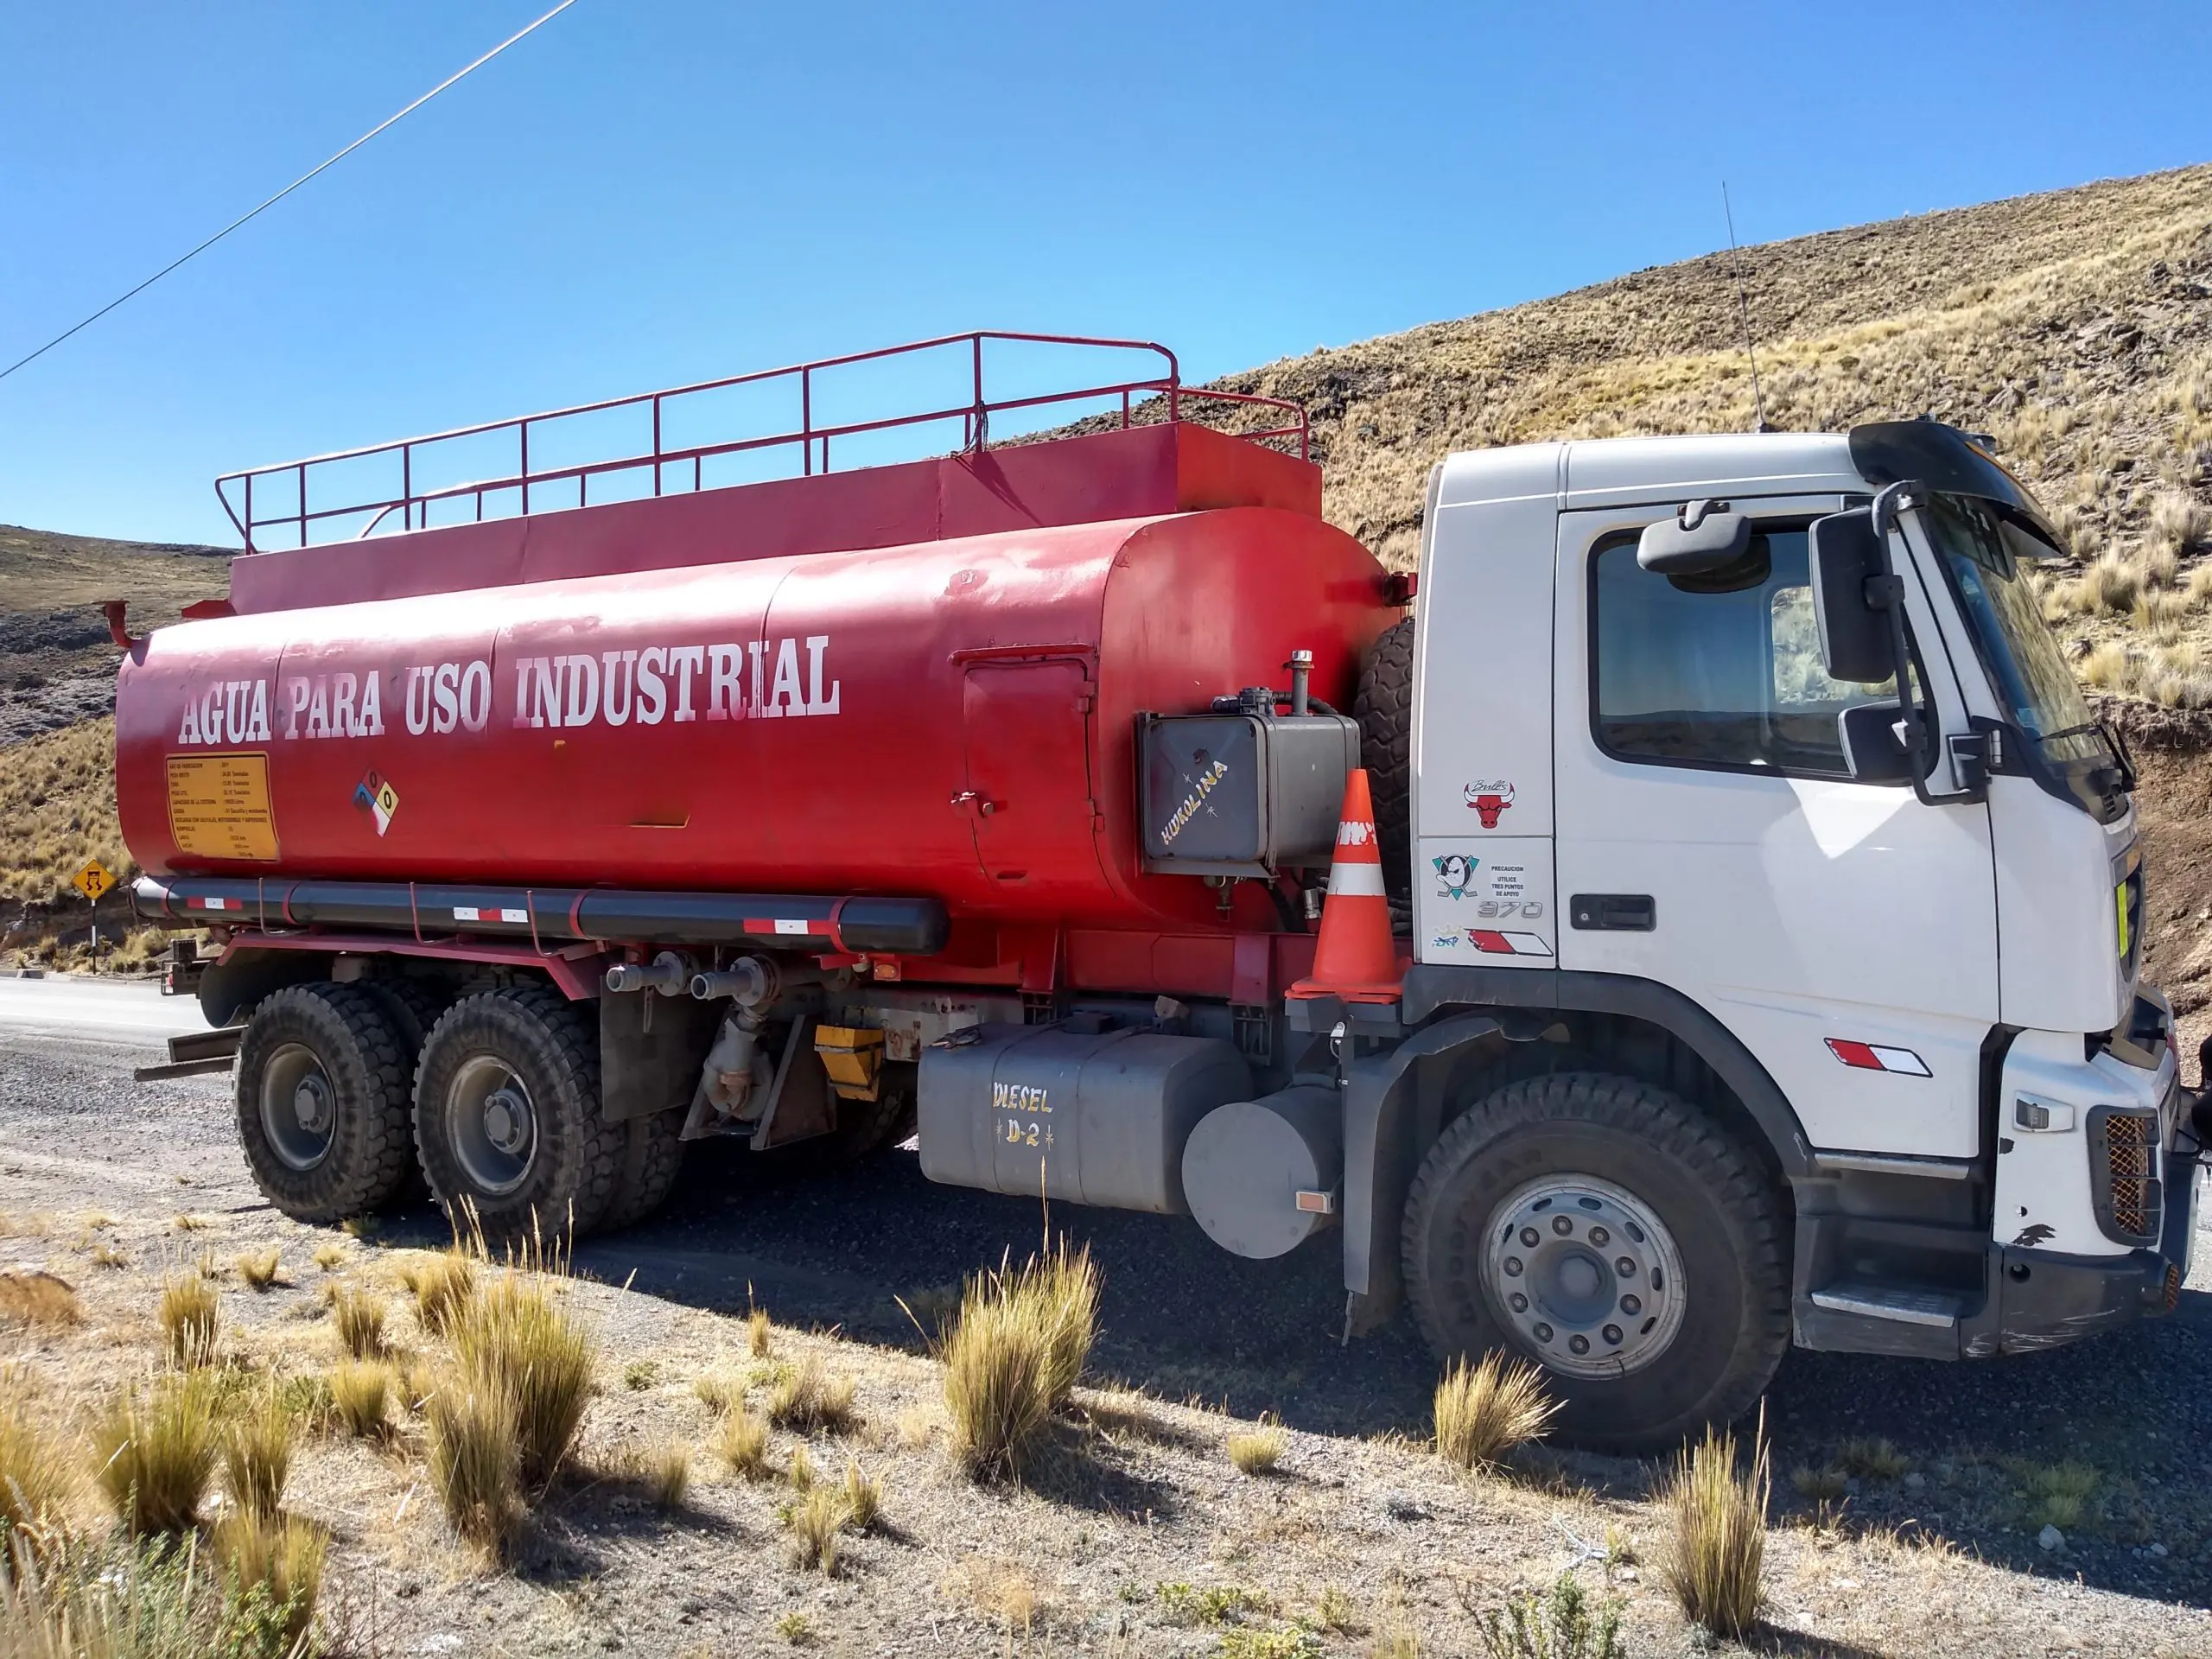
(1384, 709)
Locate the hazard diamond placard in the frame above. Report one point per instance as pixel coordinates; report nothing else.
(93, 881)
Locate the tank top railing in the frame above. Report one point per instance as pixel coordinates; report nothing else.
(676, 469)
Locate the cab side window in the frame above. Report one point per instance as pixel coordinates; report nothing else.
(1721, 670)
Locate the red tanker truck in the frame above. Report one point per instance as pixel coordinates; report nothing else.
(549, 820)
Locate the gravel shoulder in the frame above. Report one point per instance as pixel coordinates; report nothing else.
(1136, 1494)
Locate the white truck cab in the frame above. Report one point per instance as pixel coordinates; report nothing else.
(1860, 975)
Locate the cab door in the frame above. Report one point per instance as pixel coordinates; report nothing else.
(1710, 836)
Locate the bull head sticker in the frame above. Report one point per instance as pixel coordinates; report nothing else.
(1488, 800)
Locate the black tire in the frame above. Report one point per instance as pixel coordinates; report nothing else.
(865, 1128)
(558, 1175)
(652, 1157)
(334, 1046)
(414, 1006)
(1384, 709)
(1705, 1188)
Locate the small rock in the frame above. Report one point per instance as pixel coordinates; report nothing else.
(2158, 1550)
(1914, 1481)
(2050, 1538)
(1403, 1506)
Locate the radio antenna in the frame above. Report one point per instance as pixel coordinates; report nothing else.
(1744, 313)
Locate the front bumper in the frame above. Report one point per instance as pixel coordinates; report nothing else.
(2038, 1299)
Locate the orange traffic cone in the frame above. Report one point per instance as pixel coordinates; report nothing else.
(1355, 959)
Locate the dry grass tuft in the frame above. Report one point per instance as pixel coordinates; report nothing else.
(157, 1450)
(1064, 1288)
(35, 1483)
(475, 1459)
(1256, 1451)
(800, 1472)
(1825, 1484)
(257, 1453)
(1718, 1548)
(808, 1398)
(190, 1314)
(511, 1339)
(258, 1269)
(442, 1285)
(997, 1379)
(187, 1223)
(360, 1316)
(814, 1523)
(743, 1445)
(36, 1297)
(107, 1256)
(280, 1560)
(1484, 1411)
(330, 1257)
(361, 1394)
(720, 1388)
(759, 1334)
(667, 1470)
(863, 1496)
(1872, 1459)
(2061, 1493)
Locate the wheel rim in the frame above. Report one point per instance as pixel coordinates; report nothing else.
(1586, 1274)
(299, 1107)
(491, 1125)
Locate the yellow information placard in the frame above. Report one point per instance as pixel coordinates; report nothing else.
(218, 806)
(93, 881)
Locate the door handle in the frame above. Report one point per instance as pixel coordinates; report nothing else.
(1613, 913)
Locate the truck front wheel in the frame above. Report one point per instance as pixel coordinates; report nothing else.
(507, 1119)
(322, 1103)
(1615, 1235)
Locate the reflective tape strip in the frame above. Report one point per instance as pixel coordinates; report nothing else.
(783, 925)
(507, 915)
(1356, 880)
(467, 913)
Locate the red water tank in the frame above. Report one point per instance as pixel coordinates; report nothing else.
(951, 716)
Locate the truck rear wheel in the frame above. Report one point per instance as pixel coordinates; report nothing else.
(1615, 1236)
(323, 1102)
(506, 1115)
(652, 1157)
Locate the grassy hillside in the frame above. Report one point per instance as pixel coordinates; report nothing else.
(57, 666)
(2074, 327)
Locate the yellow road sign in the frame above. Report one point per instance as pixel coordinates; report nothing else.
(93, 881)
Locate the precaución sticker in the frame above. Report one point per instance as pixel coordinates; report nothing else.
(218, 807)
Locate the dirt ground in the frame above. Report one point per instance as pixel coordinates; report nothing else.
(1134, 1535)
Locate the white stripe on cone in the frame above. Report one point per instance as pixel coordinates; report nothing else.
(1356, 880)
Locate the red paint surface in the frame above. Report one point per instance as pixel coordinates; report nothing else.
(1140, 472)
(1855, 1054)
(1004, 669)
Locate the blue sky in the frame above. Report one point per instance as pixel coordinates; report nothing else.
(648, 192)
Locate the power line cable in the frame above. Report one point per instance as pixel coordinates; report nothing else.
(203, 247)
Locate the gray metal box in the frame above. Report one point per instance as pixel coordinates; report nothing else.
(1242, 794)
(1081, 1115)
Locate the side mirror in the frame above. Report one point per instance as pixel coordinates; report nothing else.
(1701, 537)
(1872, 748)
(1857, 641)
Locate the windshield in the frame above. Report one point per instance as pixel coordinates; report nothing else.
(1985, 552)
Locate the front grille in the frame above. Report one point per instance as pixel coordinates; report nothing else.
(2124, 1174)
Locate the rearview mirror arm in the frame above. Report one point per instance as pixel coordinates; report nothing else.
(1885, 593)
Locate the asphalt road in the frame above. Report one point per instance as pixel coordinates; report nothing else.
(838, 1248)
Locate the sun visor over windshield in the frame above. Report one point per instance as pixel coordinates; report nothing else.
(1942, 458)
